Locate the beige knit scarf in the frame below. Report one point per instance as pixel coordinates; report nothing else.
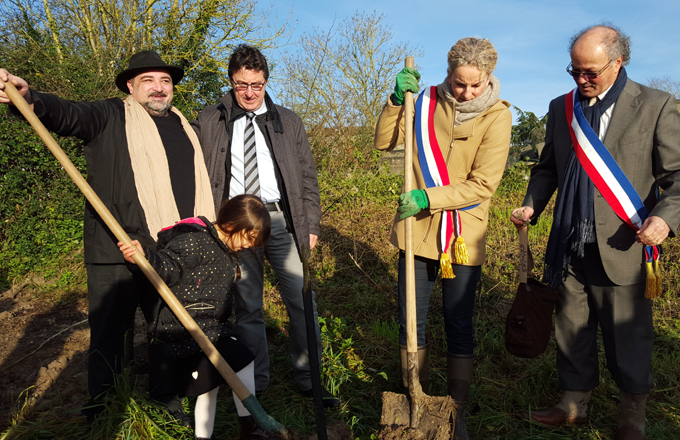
(152, 173)
(471, 109)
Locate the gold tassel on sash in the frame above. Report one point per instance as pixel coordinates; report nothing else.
(460, 252)
(650, 288)
(653, 286)
(445, 264)
(657, 272)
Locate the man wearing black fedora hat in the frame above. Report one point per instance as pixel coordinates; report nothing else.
(137, 151)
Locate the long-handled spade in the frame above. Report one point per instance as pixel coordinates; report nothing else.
(428, 414)
(249, 401)
(312, 347)
(414, 389)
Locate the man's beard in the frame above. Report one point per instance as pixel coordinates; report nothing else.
(157, 108)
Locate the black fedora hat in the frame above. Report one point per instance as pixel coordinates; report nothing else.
(143, 62)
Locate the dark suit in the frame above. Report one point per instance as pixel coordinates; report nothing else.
(607, 285)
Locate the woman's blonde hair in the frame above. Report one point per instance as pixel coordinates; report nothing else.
(475, 52)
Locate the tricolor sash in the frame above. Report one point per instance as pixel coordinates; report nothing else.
(435, 173)
(610, 180)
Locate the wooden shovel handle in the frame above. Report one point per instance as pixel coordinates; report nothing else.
(415, 389)
(411, 321)
(165, 292)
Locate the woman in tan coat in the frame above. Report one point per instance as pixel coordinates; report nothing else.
(461, 143)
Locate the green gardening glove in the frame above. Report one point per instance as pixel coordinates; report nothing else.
(411, 203)
(407, 81)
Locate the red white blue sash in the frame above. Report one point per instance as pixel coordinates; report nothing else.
(432, 163)
(433, 166)
(606, 174)
(601, 167)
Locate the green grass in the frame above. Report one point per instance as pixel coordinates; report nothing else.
(355, 277)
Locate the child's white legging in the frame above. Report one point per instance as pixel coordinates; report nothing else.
(204, 411)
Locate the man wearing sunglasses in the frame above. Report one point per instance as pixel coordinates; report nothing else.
(253, 146)
(612, 152)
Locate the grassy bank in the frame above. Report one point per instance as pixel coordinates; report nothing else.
(354, 269)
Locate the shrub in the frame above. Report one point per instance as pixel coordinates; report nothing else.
(41, 209)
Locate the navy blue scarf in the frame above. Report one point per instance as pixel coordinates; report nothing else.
(574, 218)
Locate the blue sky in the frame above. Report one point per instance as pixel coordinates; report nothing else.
(531, 37)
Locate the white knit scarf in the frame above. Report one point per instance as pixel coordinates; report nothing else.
(152, 173)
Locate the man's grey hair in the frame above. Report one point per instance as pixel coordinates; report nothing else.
(616, 44)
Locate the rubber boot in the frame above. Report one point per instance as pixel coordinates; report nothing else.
(250, 430)
(459, 379)
(631, 416)
(423, 366)
(403, 355)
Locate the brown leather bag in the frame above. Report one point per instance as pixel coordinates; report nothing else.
(529, 323)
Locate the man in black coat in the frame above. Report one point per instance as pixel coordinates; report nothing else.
(137, 151)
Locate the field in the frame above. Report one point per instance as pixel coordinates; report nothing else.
(354, 276)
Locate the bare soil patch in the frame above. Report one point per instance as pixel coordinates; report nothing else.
(43, 358)
(43, 351)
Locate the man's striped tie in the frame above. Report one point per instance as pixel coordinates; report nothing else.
(251, 176)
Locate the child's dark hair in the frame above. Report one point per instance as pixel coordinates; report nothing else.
(245, 212)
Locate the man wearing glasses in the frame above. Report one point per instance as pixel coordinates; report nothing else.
(252, 146)
(610, 144)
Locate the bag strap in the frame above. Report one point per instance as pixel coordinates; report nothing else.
(526, 260)
(523, 254)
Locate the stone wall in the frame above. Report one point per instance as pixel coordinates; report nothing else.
(395, 159)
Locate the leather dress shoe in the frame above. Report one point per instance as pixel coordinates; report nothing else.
(556, 417)
(329, 400)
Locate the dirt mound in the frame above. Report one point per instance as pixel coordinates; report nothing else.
(434, 419)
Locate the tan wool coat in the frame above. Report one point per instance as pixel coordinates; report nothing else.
(475, 153)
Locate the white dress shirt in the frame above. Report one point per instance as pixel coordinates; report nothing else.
(269, 190)
(606, 117)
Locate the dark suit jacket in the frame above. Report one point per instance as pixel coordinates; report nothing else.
(644, 139)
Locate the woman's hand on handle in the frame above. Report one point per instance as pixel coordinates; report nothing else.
(407, 81)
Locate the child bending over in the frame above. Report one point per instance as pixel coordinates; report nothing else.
(199, 263)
